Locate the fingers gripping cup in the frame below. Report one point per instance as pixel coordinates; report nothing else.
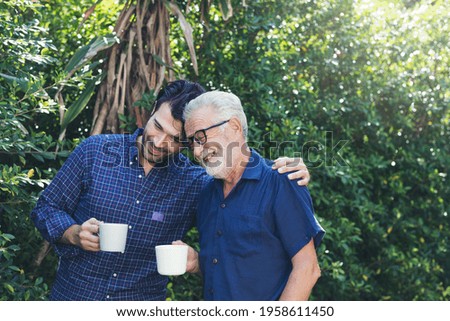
(113, 237)
(171, 259)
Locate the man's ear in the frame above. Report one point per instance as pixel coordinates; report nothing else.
(235, 124)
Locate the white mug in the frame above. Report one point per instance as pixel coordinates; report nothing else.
(113, 237)
(171, 259)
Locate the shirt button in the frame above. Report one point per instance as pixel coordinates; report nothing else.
(131, 163)
(107, 296)
(115, 275)
(129, 227)
(137, 202)
(215, 261)
(140, 176)
(219, 232)
(222, 205)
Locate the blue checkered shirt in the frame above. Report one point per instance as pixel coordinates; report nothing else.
(102, 178)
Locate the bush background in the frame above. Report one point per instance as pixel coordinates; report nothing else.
(359, 89)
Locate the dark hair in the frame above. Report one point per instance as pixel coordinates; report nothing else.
(178, 94)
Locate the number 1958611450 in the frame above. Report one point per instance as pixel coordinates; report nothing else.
(308, 311)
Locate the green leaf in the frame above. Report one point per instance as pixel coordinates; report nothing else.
(77, 59)
(22, 128)
(78, 106)
(122, 117)
(6, 255)
(22, 82)
(38, 157)
(9, 287)
(48, 155)
(159, 60)
(63, 153)
(8, 237)
(89, 51)
(14, 268)
(14, 247)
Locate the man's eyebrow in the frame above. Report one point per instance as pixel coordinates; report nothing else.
(161, 128)
(158, 124)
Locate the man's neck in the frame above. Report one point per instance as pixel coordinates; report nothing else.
(238, 169)
(146, 166)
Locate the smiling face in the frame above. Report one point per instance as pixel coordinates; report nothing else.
(213, 155)
(161, 137)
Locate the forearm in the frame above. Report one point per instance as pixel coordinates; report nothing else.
(304, 275)
(300, 284)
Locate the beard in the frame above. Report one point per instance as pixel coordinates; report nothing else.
(151, 153)
(216, 165)
(215, 170)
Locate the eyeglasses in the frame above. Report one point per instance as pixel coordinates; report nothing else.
(200, 137)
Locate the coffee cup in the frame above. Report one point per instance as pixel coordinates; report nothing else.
(113, 237)
(171, 259)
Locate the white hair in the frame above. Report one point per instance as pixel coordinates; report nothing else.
(225, 105)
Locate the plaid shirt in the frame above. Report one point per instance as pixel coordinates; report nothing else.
(102, 178)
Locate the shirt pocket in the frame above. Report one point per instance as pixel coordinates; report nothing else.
(245, 235)
(250, 258)
(169, 220)
(156, 228)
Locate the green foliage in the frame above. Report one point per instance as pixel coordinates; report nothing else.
(359, 89)
(26, 153)
(15, 285)
(72, 27)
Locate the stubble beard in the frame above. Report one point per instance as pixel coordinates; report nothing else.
(146, 147)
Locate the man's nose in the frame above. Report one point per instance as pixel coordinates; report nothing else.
(160, 141)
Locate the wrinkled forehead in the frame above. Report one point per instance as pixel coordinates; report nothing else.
(200, 118)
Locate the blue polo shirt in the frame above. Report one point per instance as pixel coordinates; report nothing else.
(247, 240)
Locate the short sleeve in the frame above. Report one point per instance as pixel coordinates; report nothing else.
(296, 224)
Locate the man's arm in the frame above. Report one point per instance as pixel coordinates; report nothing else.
(52, 214)
(300, 233)
(304, 275)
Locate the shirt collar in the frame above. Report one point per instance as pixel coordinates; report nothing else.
(133, 145)
(254, 166)
(253, 170)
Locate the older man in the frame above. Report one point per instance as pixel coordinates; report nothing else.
(257, 229)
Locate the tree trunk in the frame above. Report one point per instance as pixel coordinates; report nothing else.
(135, 66)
